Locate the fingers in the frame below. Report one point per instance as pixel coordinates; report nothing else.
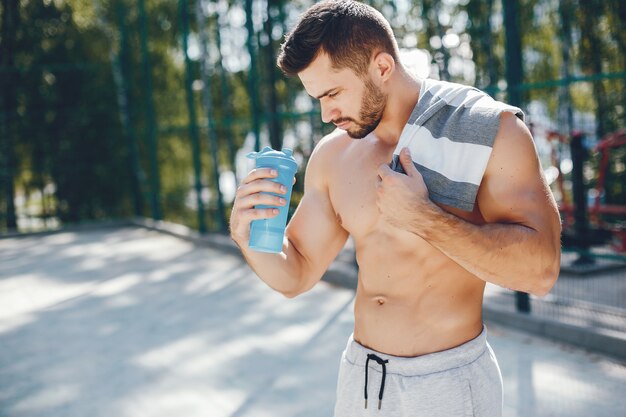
(261, 199)
(384, 171)
(240, 220)
(258, 186)
(248, 216)
(407, 161)
(259, 173)
(251, 197)
(251, 203)
(256, 192)
(246, 213)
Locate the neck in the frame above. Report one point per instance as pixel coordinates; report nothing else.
(403, 93)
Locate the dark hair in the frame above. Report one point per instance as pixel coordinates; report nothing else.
(348, 31)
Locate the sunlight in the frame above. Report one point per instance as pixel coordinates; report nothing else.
(117, 285)
(172, 354)
(48, 398)
(551, 380)
(29, 293)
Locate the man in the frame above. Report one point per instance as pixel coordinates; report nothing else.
(468, 205)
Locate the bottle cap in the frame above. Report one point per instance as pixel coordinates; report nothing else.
(286, 155)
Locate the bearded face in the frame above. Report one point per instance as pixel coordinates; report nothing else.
(371, 112)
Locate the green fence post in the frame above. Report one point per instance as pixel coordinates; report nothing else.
(444, 58)
(155, 182)
(121, 70)
(513, 54)
(566, 116)
(193, 128)
(220, 215)
(8, 97)
(581, 221)
(252, 76)
(274, 123)
(7, 166)
(487, 43)
(225, 96)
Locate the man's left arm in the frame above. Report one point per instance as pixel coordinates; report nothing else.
(519, 246)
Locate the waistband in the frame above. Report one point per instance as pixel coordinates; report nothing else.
(455, 357)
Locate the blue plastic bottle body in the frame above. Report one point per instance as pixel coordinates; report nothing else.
(266, 235)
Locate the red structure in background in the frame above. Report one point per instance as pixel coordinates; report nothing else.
(597, 209)
(612, 141)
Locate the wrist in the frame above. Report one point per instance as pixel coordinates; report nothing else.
(430, 220)
(238, 240)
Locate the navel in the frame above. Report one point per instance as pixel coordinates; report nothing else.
(380, 300)
(339, 219)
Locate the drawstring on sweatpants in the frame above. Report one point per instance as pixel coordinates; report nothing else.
(382, 384)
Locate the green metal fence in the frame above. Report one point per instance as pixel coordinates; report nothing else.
(135, 107)
(117, 108)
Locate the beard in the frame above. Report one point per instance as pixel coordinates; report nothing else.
(371, 112)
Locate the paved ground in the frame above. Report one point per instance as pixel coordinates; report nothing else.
(596, 300)
(133, 323)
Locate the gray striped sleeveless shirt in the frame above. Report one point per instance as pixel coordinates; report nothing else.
(450, 134)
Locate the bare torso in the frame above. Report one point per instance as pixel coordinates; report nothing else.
(411, 299)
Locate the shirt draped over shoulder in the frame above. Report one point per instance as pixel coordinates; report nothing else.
(450, 134)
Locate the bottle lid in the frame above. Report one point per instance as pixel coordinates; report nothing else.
(286, 154)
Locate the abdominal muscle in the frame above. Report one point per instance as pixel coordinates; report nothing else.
(411, 298)
(413, 303)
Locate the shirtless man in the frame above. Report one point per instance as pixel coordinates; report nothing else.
(419, 342)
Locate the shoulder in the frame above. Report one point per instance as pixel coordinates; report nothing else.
(448, 91)
(329, 148)
(325, 155)
(476, 102)
(333, 141)
(513, 185)
(513, 149)
(513, 140)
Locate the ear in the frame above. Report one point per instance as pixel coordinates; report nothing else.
(383, 65)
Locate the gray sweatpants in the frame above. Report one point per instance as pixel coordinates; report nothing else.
(460, 382)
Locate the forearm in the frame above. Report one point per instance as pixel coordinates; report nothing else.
(510, 255)
(282, 272)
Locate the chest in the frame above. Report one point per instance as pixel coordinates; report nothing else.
(352, 191)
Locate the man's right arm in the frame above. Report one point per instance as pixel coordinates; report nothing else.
(313, 237)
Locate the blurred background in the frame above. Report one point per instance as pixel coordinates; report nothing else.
(143, 111)
(118, 108)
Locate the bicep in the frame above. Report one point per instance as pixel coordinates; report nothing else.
(314, 230)
(315, 233)
(514, 189)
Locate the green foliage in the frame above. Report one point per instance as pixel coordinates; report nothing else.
(67, 133)
(68, 119)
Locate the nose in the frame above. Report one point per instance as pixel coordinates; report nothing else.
(329, 112)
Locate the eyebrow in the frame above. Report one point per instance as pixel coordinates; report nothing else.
(325, 93)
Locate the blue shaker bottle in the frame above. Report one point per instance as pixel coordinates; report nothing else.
(266, 235)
